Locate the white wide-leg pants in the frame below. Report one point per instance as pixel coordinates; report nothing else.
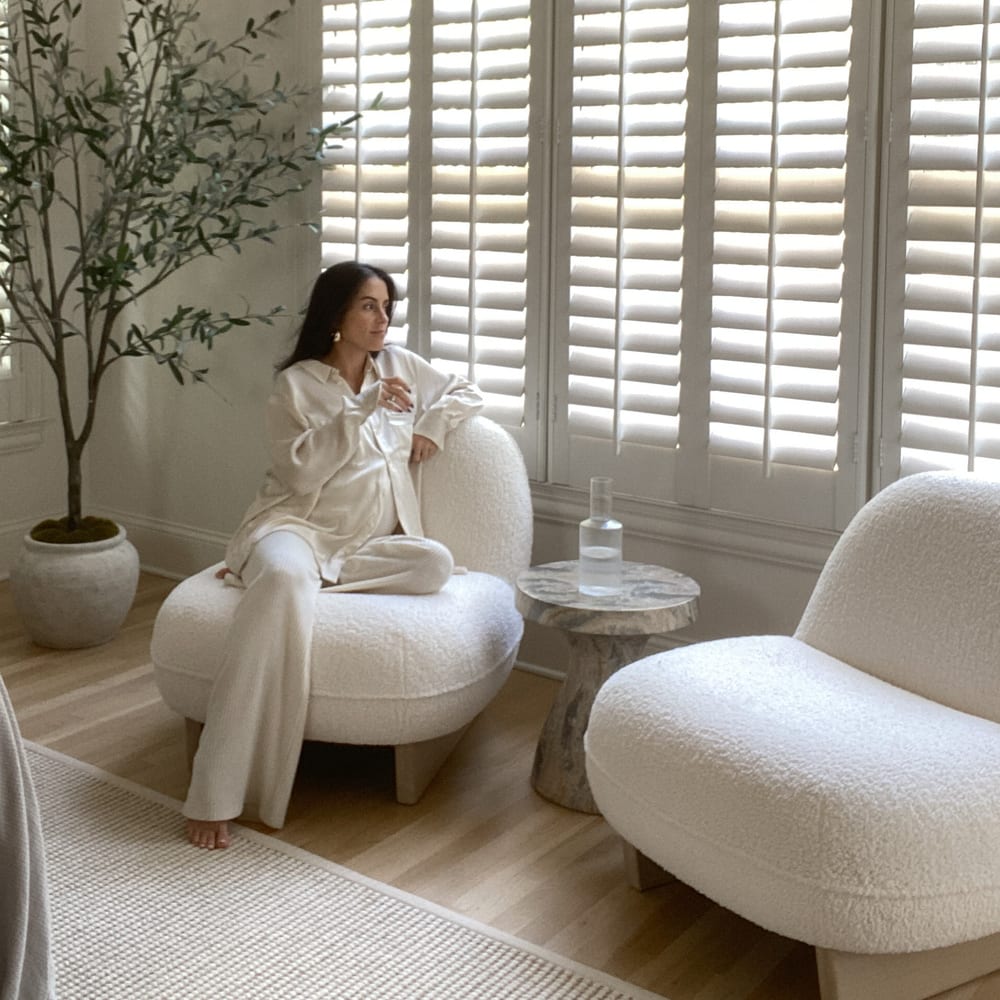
(250, 745)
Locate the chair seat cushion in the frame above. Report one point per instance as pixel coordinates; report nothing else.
(811, 798)
(386, 669)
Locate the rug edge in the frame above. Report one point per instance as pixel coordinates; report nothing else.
(299, 853)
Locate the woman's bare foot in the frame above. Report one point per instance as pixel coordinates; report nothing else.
(209, 834)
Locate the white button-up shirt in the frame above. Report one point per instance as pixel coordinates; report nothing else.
(340, 463)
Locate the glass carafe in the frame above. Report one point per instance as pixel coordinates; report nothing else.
(600, 544)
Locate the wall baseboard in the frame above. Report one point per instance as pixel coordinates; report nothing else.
(171, 550)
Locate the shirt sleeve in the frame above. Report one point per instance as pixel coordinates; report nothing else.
(442, 401)
(308, 446)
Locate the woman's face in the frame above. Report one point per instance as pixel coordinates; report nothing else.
(366, 321)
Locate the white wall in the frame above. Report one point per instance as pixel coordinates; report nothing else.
(177, 466)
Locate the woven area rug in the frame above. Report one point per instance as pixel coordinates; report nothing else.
(139, 915)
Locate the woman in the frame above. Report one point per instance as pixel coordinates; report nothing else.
(337, 511)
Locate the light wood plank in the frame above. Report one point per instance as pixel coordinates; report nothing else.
(479, 841)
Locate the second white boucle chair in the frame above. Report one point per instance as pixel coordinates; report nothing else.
(840, 786)
(410, 672)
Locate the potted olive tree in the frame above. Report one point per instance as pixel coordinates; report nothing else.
(112, 180)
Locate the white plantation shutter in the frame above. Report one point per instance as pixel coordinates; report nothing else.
(621, 184)
(648, 229)
(942, 367)
(10, 386)
(12, 402)
(482, 249)
(712, 254)
(785, 258)
(19, 396)
(7, 367)
(366, 194)
(436, 188)
(21, 384)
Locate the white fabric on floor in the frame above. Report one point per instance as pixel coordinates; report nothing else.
(26, 971)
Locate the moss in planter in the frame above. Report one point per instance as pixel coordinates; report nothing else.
(90, 529)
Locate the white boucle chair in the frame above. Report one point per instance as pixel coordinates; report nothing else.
(410, 672)
(840, 786)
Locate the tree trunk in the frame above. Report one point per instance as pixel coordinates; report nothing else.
(74, 485)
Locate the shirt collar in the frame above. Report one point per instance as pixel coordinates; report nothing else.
(319, 370)
(323, 372)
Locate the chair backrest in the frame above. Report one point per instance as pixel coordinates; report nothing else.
(911, 591)
(474, 497)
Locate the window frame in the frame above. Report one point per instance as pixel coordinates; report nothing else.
(867, 397)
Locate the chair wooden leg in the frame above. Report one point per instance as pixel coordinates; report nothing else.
(192, 736)
(642, 872)
(417, 763)
(912, 976)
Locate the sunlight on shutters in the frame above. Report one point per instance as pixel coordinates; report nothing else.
(480, 159)
(629, 106)
(951, 317)
(778, 254)
(366, 193)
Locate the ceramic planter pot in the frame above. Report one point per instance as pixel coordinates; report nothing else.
(73, 596)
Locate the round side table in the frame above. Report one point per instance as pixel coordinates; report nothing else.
(604, 633)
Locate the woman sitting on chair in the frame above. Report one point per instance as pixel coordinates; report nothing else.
(337, 511)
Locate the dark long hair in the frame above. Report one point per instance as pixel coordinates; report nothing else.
(332, 293)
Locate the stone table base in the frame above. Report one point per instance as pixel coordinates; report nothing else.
(559, 772)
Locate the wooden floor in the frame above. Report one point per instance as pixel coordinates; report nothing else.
(480, 842)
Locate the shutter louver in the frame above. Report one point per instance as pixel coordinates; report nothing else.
(779, 232)
(949, 397)
(709, 234)
(480, 253)
(625, 236)
(366, 207)
(13, 404)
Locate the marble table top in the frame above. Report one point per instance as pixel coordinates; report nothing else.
(653, 600)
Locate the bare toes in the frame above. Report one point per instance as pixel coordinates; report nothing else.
(208, 834)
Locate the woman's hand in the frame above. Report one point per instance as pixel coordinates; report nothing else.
(395, 395)
(423, 448)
